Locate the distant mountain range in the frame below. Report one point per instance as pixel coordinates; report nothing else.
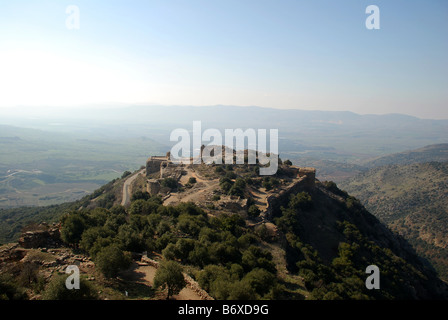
(62, 156)
(329, 135)
(435, 152)
(101, 143)
(341, 171)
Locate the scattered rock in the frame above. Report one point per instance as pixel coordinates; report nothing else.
(17, 254)
(44, 237)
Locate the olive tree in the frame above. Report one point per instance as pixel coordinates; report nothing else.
(169, 276)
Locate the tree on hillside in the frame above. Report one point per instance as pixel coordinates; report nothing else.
(169, 276)
(238, 188)
(139, 194)
(253, 211)
(260, 280)
(57, 290)
(125, 174)
(225, 184)
(9, 288)
(267, 184)
(73, 226)
(192, 180)
(219, 170)
(301, 201)
(169, 183)
(89, 236)
(111, 260)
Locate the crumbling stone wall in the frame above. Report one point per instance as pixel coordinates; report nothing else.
(153, 187)
(153, 164)
(306, 181)
(47, 238)
(170, 170)
(234, 204)
(309, 175)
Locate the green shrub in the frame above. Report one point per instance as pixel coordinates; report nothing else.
(230, 175)
(130, 239)
(219, 170)
(169, 276)
(301, 201)
(143, 195)
(73, 226)
(169, 183)
(199, 256)
(260, 280)
(192, 180)
(267, 184)
(238, 290)
(210, 274)
(89, 236)
(253, 211)
(255, 257)
(111, 260)
(125, 174)
(9, 289)
(57, 290)
(238, 188)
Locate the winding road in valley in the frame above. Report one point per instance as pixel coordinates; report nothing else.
(126, 197)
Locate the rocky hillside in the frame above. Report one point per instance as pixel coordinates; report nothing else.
(434, 152)
(236, 234)
(413, 200)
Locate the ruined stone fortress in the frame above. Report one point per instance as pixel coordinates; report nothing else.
(166, 168)
(157, 164)
(161, 167)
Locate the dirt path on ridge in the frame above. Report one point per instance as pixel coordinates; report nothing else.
(196, 193)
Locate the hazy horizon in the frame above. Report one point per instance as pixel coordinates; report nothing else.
(306, 55)
(43, 110)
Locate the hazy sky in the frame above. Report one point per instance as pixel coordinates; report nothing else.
(284, 54)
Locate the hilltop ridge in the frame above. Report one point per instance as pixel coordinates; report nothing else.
(237, 235)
